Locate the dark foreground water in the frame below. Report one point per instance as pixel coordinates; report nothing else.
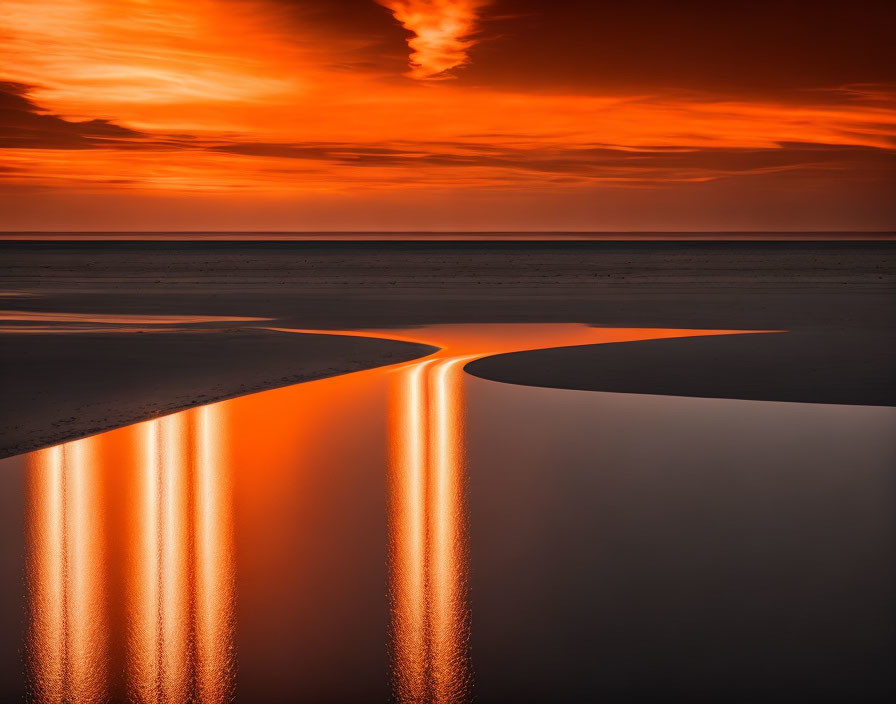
(416, 534)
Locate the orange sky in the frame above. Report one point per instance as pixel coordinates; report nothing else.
(444, 114)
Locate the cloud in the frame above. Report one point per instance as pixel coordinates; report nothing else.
(134, 59)
(473, 162)
(442, 33)
(248, 96)
(23, 125)
(718, 141)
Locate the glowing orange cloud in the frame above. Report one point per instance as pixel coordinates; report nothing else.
(442, 30)
(93, 57)
(254, 98)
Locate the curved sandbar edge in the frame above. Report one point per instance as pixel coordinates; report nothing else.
(58, 388)
(843, 366)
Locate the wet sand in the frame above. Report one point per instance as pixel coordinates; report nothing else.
(838, 300)
(808, 366)
(58, 387)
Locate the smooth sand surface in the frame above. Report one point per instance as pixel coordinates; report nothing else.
(855, 367)
(837, 299)
(65, 386)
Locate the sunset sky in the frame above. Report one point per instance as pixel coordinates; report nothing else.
(447, 115)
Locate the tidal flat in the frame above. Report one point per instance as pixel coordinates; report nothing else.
(503, 472)
(85, 344)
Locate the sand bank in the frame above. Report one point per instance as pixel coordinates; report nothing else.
(809, 366)
(59, 387)
(838, 300)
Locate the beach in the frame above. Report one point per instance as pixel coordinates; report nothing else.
(192, 320)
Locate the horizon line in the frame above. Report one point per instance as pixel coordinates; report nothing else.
(444, 235)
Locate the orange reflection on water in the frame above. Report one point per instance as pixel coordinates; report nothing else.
(430, 610)
(67, 618)
(427, 516)
(169, 521)
(142, 517)
(407, 530)
(160, 592)
(213, 560)
(181, 586)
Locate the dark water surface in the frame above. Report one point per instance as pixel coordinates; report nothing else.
(416, 534)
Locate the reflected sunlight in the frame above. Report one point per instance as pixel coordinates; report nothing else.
(171, 522)
(130, 533)
(430, 610)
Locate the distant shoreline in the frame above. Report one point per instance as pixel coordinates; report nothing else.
(425, 236)
(837, 299)
(57, 390)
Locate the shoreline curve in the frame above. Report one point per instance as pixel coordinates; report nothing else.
(107, 380)
(854, 367)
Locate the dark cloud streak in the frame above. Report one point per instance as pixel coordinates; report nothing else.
(648, 164)
(23, 125)
(759, 48)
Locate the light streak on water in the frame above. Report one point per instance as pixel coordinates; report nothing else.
(430, 610)
(213, 562)
(175, 535)
(68, 618)
(130, 534)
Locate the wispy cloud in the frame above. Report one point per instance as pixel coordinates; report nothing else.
(100, 57)
(243, 97)
(443, 31)
(24, 125)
